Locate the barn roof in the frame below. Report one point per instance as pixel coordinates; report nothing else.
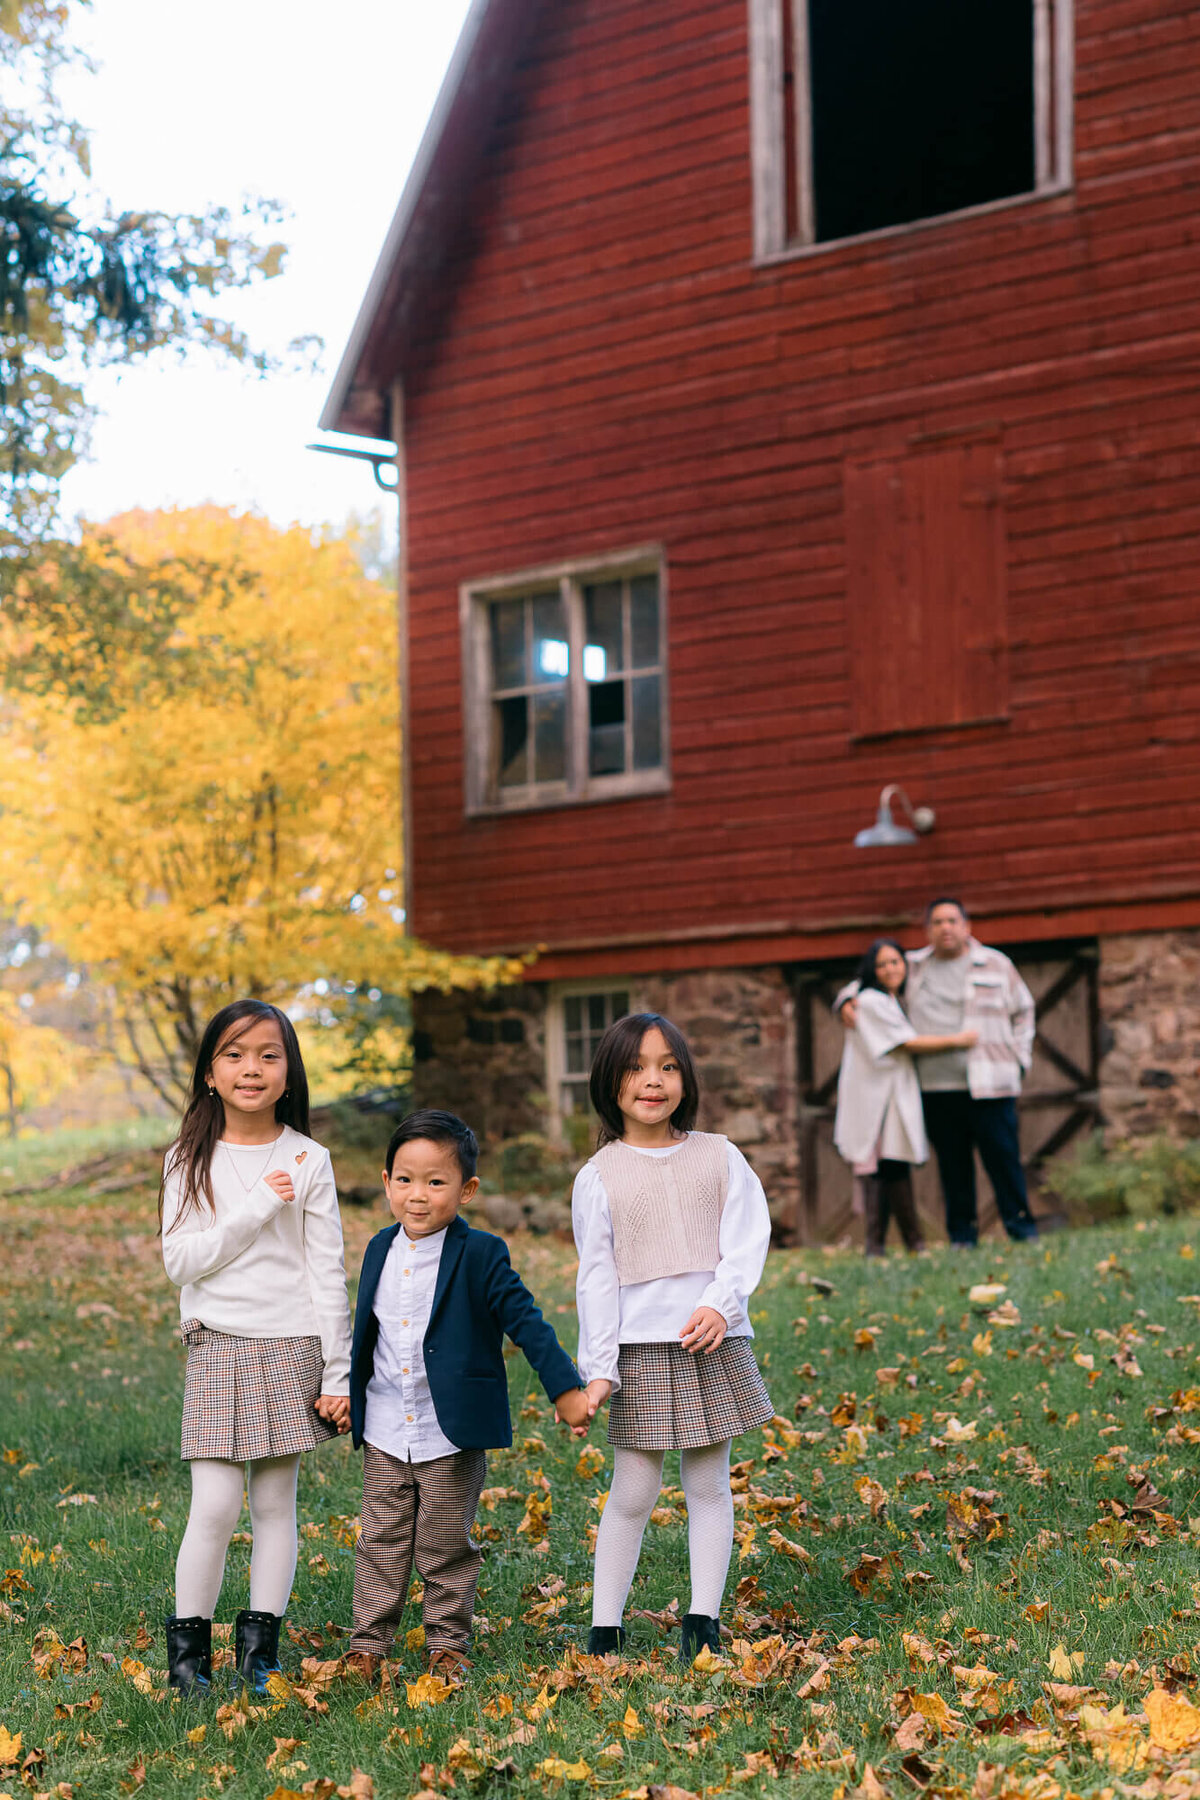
(430, 208)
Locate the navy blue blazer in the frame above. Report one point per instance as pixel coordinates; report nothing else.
(479, 1298)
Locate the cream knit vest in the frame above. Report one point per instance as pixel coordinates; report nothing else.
(665, 1210)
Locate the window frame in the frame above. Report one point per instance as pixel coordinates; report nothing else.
(1054, 126)
(556, 1034)
(482, 796)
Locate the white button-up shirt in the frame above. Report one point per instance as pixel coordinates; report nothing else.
(400, 1413)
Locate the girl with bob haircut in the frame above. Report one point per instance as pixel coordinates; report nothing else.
(880, 1126)
(672, 1229)
(253, 1239)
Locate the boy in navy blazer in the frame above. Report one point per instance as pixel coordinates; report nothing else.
(429, 1392)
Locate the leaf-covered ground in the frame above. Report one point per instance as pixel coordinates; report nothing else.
(966, 1557)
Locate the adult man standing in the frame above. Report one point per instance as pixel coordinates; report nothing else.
(970, 1096)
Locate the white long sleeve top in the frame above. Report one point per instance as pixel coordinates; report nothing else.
(261, 1266)
(655, 1312)
(401, 1417)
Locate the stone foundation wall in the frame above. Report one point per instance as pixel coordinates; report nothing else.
(1150, 1013)
(483, 1056)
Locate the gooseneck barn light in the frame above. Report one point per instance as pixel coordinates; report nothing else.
(885, 833)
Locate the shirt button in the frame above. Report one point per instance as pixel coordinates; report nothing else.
(404, 1321)
(409, 1417)
(404, 1371)
(408, 1271)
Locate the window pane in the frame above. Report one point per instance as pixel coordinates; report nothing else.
(573, 1013)
(603, 653)
(550, 736)
(511, 719)
(598, 1012)
(620, 1006)
(647, 723)
(606, 728)
(508, 644)
(918, 109)
(578, 1062)
(643, 612)
(550, 649)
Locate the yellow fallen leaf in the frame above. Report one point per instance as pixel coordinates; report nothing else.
(955, 1432)
(1084, 1359)
(986, 1293)
(870, 1787)
(1064, 1665)
(935, 1710)
(138, 1673)
(1174, 1723)
(705, 1660)
(631, 1725)
(427, 1690)
(555, 1769)
(463, 1755)
(591, 1461)
(785, 1546)
(10, 1746)
(197, 1734)
(1037, 1611)
(415, 1639)
(981, 1343)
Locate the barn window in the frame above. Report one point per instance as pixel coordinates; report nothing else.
(578, 1018)
(869, 115)
(926, 600)
(564, 685)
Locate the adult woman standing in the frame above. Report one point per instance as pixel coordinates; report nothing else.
(880, 1130)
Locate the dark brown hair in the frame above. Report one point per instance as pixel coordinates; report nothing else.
(204, 1115)
(867, 978)
(436, 1127)
(616, 1057)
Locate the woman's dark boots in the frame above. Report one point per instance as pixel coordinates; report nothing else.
(606, 1640)
(189, 1655)
(256, 1648)
(699, 1633)
(898, 1202)
(875, 1216)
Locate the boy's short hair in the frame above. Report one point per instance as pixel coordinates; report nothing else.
(437, 1128)
(945, 900)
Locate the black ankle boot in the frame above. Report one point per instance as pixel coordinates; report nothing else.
(699, 1633)
(189, 1655)
(256, 1648)
(606, 1640)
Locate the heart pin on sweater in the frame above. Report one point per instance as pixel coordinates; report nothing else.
(302, 1156)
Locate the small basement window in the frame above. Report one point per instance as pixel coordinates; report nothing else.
(870, 115)
(579, 1017)
(565, 686)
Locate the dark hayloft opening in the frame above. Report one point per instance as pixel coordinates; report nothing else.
(919, 107)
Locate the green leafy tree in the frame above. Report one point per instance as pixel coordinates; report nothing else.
(82, 283)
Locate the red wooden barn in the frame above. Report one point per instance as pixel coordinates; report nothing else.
(795, 397)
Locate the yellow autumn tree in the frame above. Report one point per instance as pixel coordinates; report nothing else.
(36, 1063)
(199, 775)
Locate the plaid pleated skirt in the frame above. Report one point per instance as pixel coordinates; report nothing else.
(671, 1400)
(246, 1398)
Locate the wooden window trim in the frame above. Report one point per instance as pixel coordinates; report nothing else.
(556, 1035)
(580, 788)
(1054, 146)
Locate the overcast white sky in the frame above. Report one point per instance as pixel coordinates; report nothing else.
(319, 106)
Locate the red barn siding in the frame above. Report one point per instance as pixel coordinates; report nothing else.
(609, 369)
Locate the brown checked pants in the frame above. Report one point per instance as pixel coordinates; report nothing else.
(418, 1513)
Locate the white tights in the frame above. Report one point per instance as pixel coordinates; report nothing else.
(637, 1479)
(215, 1511)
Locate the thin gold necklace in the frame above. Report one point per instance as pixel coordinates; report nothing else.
(248, 1186)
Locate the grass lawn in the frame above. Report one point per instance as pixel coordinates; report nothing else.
(966, 1555)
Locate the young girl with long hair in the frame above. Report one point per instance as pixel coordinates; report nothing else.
(880, 1128)
(672, 1229)
(253, 1238)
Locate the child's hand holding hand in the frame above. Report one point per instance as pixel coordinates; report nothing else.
(597, 1393)
(334, 1408)
(571, 1409)
(281, 1181)
(704, 1330)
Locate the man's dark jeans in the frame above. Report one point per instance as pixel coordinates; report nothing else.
(957, 1127)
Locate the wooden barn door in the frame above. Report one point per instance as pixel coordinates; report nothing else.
(1060, 1097)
